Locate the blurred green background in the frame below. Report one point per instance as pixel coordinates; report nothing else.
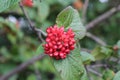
(18, 43)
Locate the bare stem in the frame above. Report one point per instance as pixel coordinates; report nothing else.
(85, 10)
(103, 17)
(94, 72)
(22, 67)
(30, 22)
(96, 39)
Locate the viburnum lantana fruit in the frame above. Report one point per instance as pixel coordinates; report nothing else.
(58, 42)
(28, 3)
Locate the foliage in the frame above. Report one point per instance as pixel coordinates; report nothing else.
(117, 76)
(18, 42)
(86, 57)
(6, 4)
(69, 18)
(72, 67)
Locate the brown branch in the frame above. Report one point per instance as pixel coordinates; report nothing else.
(94, 72)
(96, 39)
(90, 78)
(98, 65)
(37, 73)
(22, 67)
(43, 33)
(85, 10)
(103, 17)
(86, 50)
(30, 22)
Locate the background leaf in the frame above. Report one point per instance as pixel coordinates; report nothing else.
(118, 44)
(102, 52)
(108, 75)
(117, 76)
(43, 11)
(4, 4)
(86, 57)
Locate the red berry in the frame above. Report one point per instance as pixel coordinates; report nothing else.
(50, 44)
(51, 54)
(58, 42)
(67, 50)
(28, 3)
(55, 47)
(71, 47)
(60, 46)
(56, 54)
(63, 49)
(61, 54)
(47, 40)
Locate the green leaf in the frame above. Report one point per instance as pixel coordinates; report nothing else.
(31, 77)
(118, 44)
(65, 2)
(86, 57)
(102, 52)
(69, 18)
(40, 50)
(77, 26)
(108, 75)
(5, 68)
(117, 76)
(118, 52)
(12, 38)
(43, 11)
(65, 17)
(71, 68)
(5, 53)
(14, 77)
(4, 4)
(50, 2)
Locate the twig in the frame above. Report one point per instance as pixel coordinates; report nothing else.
(96, 39)
(38, 75)
(29, 21)
(86, 50)
(103, 17)
(85, 10)
(98, 65)
(43, 33)
(22, 67)
(95, 72)
(90, 78)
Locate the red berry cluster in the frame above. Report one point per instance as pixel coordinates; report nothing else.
(28, 3)
(58, 42)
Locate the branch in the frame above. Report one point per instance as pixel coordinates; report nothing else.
(85, 9)
(22, 67)
(98, 65)
(103, 17)
(86, 50)
(43, 33)
(30, 23)
(94, 72)
(96, 39)
(37, 73)
(90, 78)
